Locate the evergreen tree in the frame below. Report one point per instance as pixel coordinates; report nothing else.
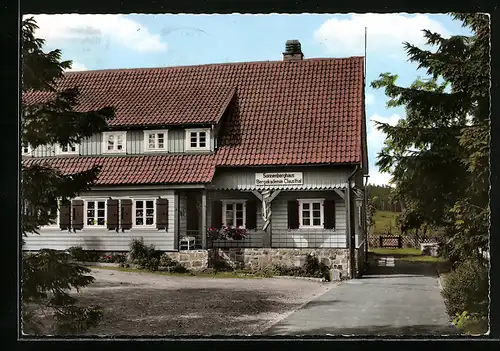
(438, 155)
(48, 276)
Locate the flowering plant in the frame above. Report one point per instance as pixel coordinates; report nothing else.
(235, 233)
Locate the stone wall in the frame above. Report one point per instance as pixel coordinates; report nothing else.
(256, 259)
(192, 259)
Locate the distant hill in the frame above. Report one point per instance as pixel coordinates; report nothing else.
(379, 195)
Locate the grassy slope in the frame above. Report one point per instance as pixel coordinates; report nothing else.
(384, 221)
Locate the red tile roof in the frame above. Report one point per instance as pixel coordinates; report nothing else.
(278, 113)
(150, 169)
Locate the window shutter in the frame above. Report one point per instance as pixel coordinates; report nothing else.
(293, 214)
(251, 220)
(329, 214)
(112, 214)
(162, 214)
(65, 215)
(77, 215)
(216, 214)
(126, 214)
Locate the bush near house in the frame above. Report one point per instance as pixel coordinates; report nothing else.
(311, 268)
(465, 294)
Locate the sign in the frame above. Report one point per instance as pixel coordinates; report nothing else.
(276, 179)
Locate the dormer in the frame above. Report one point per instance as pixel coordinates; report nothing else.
(69, 149)
(198, 139)
(156, 140)
(114, 142)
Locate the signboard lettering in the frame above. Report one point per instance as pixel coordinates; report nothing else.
(281, 178)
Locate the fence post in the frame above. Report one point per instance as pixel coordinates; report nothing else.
(380, 240)
(399, 242)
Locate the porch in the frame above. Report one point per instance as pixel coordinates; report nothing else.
(199, 210)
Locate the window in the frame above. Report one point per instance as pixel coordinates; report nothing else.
(311, 213)
(26, 150)
(144, 212)
(155, 140)
(233, 213)
(96, 213)
(68, 149)
(197, 139)
(114, 142)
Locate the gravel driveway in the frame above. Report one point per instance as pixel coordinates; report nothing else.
(150, 304)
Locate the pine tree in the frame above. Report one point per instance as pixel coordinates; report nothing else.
(48, 276)
(438, 155)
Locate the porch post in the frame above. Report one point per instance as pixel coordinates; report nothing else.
(203, 224)
(176, 220)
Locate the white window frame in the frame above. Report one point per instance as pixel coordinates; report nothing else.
(156, 132)
(30, 150)
(234, 202)
(134, 204)
(197, 131)
(59, 150)
(85, 201)
(105, 136)
(322, 213)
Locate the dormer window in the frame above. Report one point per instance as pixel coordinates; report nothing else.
(68, 149)
(26, 150)
(198, 139)
(114, 142)
(155, 140)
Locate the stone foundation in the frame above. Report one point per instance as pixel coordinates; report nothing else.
(257, 259)
(195, 260)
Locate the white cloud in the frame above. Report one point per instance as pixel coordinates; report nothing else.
(376, 140)
(377, 178)
(369, 99)
(346, 35)
(96, 29)
(376, 137)
(77, 66)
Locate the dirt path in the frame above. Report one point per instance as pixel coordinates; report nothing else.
(149, 304)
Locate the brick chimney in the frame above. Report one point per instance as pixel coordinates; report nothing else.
(293, 51)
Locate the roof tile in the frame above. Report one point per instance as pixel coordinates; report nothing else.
(278, 113)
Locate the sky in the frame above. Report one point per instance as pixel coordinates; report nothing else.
(140, 40)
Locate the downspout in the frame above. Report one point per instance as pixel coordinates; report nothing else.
(365, 203)
(352, 242)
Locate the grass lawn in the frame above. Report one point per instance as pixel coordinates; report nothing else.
(233, 274)
(406, 254)
(384, 222)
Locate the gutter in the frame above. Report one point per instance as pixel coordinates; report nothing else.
(352, 239)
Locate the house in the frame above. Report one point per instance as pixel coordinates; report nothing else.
(276, 147)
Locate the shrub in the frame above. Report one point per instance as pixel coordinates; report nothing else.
(466, 289)
(145, 257)
(312, 268)
(113, 258)
(172, 265)
(77, 253)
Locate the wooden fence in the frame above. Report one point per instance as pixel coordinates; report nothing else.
(400, 241)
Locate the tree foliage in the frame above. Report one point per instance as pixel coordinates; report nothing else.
(48, 276)
(438, 154)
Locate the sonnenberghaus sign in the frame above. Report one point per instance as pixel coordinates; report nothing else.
(276, 179)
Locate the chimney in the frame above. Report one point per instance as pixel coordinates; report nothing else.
(293, 51)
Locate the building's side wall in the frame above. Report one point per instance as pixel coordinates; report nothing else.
(51, 237)
(281, 236)
(92, 146)
(324, 238)
(314, 178)
(257, 235)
